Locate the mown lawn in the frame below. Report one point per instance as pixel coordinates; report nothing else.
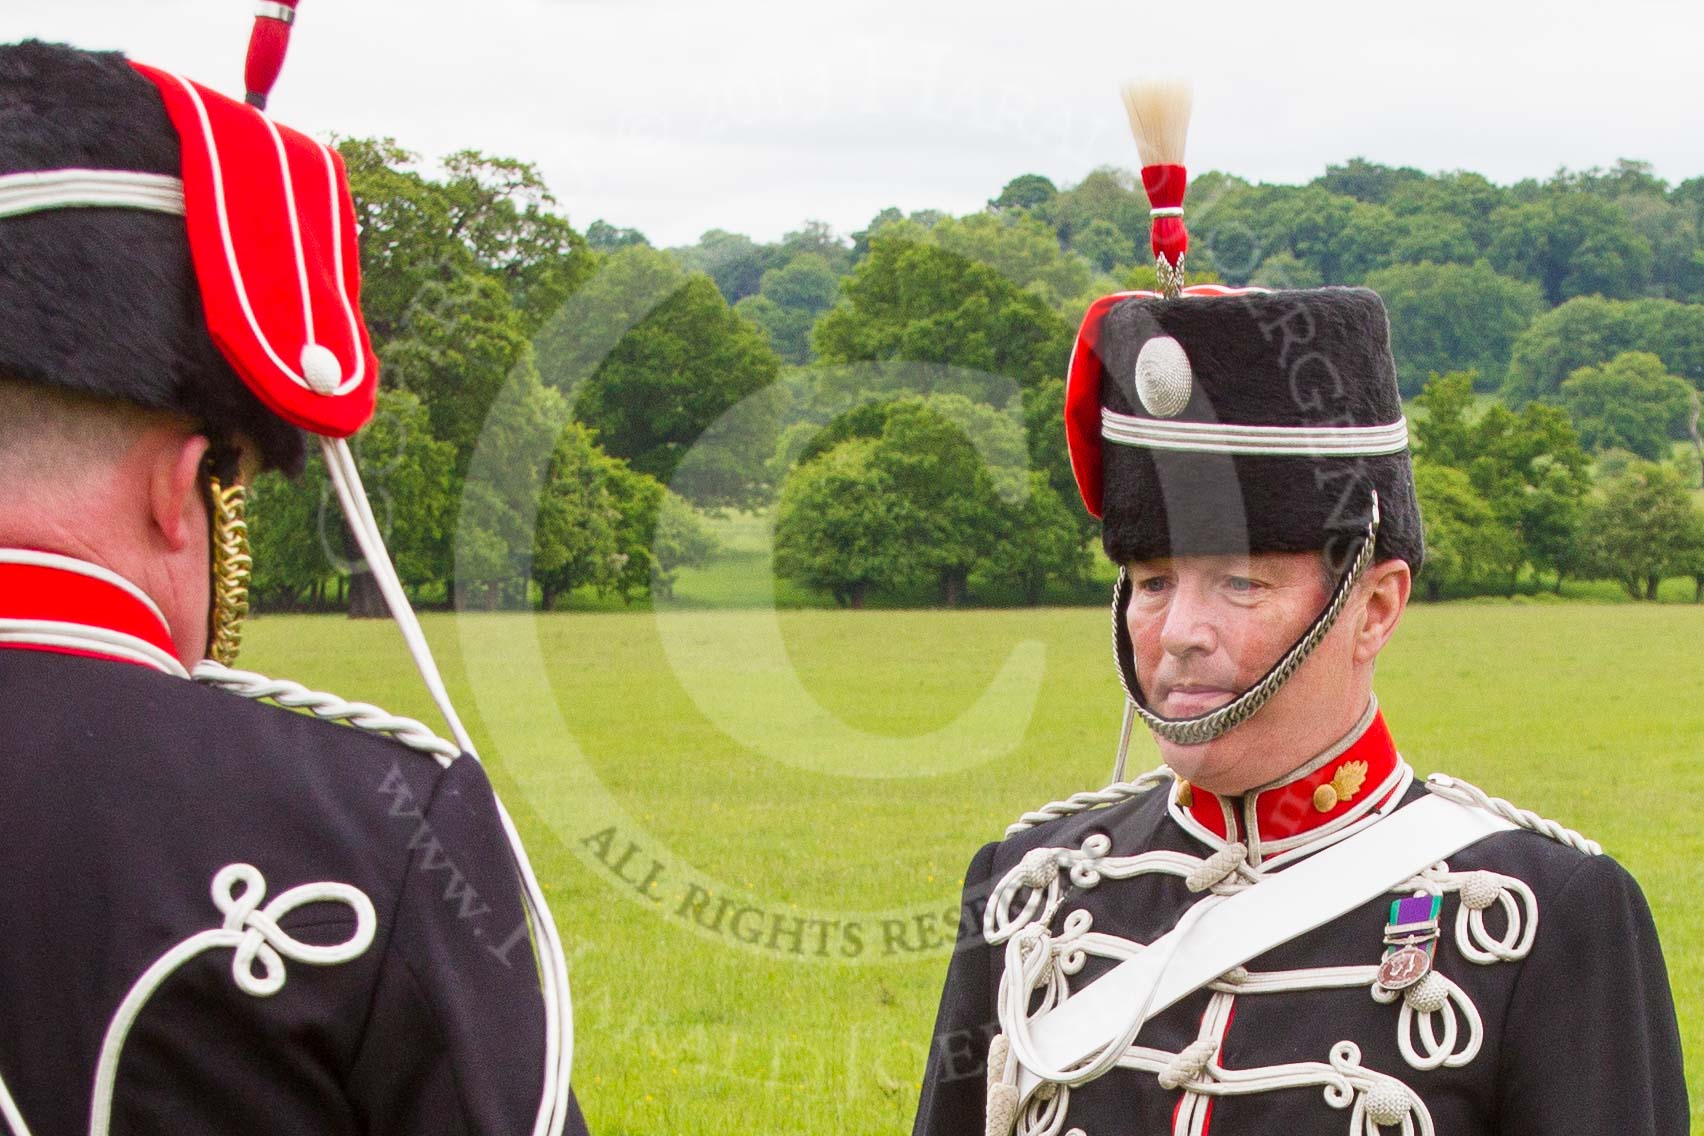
(815, 781)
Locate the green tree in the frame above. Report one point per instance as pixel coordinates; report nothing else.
(667, 382)
(1642, 529)
(402, 218)
(1532, 471)
(679, 539)
(1044, 431)
(1443, 428)
(1690, 562)
(1285, 269)
(637, 540)
(497, 534)
(410, 478)
(1368, 242)
(840, 527)
(601, 236)
(1465, 542)
(1021, 248)
(1589, 330)
(574, 537)
(456, 347)
(624, 289)
(733, 260)
(488, 215)
(1528, 467)
(500, 209)
(1677, 269)
(1467, 199)
(948, 490)
(291, 565)
(1103, 245)
(1314, 226)
(1571, 244)
(1675, 332)
(1430, 238)
(861, 238)
(1106, 194)
(1027, 191)
(1630, 403)
(459, 344)
(789, 302)
(1452, 317)
(1583, 332)
(818, 239)
(1367, 181)
(916, 301)
(1039, 541)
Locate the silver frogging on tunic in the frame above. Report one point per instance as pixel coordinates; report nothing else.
(1205, 727)
(1437, 1023)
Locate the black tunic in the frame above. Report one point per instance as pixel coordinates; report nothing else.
(1579, 1036)
(125, 791)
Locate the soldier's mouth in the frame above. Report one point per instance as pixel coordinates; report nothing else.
(1188, 700)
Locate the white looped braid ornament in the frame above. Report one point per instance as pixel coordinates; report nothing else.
(253, 933)
(1165, 381)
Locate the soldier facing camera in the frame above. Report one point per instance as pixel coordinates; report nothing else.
(1280, 930)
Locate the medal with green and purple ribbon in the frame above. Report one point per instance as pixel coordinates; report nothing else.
(1410, 938)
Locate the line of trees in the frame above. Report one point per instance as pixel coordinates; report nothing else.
(547, 393)
(1503, 492)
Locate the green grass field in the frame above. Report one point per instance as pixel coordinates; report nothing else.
(815, 781)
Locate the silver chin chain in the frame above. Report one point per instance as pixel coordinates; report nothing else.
(1205, 727)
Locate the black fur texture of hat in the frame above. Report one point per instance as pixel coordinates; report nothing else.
(1306, 358)
(103, 301)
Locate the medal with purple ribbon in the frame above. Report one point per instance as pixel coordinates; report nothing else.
(1410, 938)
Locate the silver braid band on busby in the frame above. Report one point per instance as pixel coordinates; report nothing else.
(1205, 727)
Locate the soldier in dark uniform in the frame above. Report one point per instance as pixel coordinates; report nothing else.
(1280, 930)
(220, 915)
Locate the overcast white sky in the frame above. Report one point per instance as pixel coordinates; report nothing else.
(676, 117)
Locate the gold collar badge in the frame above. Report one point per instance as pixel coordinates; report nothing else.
(1342, 787)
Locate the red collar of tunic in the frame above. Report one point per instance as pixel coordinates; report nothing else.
(1359, 777)
(50, 602)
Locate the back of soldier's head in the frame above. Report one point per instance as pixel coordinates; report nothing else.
(103, 302)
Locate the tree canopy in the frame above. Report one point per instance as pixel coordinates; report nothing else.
(919, 302)
(1630, 403)
(669, 379)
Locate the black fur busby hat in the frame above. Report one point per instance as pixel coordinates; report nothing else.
(1214, 420)
(1251, 421)
(104, 301)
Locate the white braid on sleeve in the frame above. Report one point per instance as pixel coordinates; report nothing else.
(361, 715)
(1464, 794)
(1093, 799)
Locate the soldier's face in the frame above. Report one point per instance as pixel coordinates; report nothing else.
(1206, 628)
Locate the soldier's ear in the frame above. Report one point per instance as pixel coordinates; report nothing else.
(1386, 588)
(176, 498)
